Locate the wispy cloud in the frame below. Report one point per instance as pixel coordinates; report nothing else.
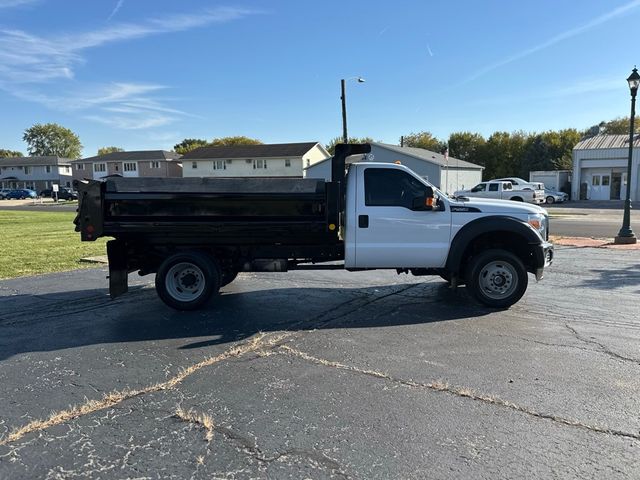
(15, 3)
(28, 62)
(429, 50)
(615, 13)
(116, 9)
(583, 87)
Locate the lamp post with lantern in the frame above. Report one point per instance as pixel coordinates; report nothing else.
(626, 235)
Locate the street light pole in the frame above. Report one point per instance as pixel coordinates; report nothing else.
(345, 138)
(343, 97)
(626, 235)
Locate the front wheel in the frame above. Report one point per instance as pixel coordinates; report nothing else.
(550, 199)
(186, 281)
(497, 278)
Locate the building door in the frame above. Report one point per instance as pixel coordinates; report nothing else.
(600, 186)
(616, 184)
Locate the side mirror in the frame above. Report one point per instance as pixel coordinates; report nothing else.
(424, 202)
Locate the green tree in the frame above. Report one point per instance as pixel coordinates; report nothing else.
(9, 153)
(331, 146)
(551, 150)
(52, 139)
(105, 150)
(188, 144)
(502, 154)
(424, 140)
(466, 146)
(617, 126)
(237, 140)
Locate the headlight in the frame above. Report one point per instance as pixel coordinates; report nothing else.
(538, 222)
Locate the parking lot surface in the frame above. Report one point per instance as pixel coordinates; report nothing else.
(324, 375)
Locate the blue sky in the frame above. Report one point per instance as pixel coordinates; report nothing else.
(144, 74)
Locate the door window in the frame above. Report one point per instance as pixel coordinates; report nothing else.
(595, 180)
(493, 187)
(481, 187)
(386, 187)
(605, 180)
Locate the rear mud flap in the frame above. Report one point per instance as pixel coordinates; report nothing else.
(118, 272)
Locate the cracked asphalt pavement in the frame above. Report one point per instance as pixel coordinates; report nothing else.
(324, 375)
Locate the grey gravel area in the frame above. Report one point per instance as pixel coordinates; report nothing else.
(324, 375)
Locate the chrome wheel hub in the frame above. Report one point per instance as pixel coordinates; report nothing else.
(185, 281)
(498, 279)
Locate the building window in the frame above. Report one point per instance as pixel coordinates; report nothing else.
(99, 167)
(27, 170)
(219, 165)
(259, 163)
(130, 167)
(194, 164)
(154, 164)
(287, 162)
(80, 166)
(47, 168)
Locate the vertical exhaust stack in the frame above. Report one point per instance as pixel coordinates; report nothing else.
(343, 150)
(337, 187)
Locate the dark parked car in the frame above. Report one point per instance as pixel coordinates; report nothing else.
(4, 192)
(21, 194)
(63, 194)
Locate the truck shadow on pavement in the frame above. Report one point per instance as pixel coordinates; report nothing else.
(51, 322)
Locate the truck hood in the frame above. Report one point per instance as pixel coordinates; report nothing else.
(488, 205)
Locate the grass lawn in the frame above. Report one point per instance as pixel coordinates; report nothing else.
(42, 242)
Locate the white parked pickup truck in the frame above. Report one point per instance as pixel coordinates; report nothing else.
(502, 190)
(196, 234)
(521, 184)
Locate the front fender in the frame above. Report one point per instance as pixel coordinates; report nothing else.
(483, 225)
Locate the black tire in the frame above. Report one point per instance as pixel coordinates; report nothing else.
(550, 199)
(188, 280)
(497, 278)
(517, 199)
(228, 276)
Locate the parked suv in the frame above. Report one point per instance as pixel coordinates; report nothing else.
(64, 193)
(21, 194)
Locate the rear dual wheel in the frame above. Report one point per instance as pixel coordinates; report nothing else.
(497, 278)
(188, 280)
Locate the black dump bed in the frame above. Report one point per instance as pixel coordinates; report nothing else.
(209, 210)
(274, 213)
(224, 199)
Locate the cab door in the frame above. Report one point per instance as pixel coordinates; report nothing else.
(391, 231)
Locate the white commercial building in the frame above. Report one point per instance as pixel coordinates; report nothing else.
(274, 160)
(600, 168)
(448, 174)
